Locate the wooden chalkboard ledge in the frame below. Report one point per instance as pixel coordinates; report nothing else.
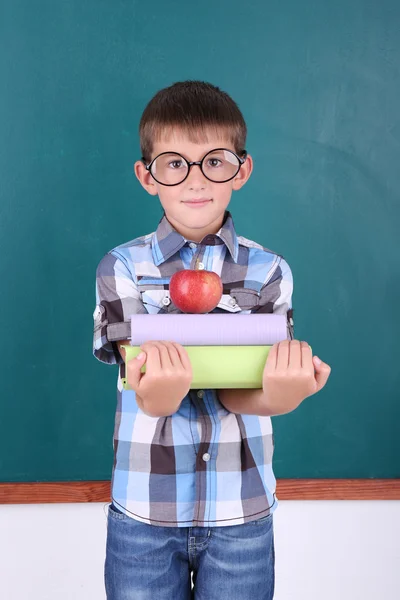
(287, 489)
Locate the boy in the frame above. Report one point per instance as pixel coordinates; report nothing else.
(193, 491)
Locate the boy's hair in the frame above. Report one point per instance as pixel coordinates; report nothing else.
(194, 107)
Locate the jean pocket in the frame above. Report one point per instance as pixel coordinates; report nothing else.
(263, 520)
(115, 513)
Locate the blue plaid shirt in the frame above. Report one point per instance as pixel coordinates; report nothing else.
(202, 466)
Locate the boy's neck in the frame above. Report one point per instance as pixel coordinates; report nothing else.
(196, 235)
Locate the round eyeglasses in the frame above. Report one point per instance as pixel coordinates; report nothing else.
(219, 165)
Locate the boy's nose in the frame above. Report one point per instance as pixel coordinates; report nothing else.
(196, 179)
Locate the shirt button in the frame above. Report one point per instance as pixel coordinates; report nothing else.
(200, 393)
(166, 301)
(193, 245)
(200, 266)
(206, 457)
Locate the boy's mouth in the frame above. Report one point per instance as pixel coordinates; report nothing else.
(198, 201)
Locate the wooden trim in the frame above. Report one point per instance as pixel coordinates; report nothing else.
(63, 491)
(287, 489)
(338, 489)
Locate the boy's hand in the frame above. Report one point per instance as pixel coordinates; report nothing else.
(292, 374)
(167, 380)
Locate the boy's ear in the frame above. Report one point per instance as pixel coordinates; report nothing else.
(145, 178)
(244, 173)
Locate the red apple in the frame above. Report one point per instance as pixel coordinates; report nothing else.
(195, 291)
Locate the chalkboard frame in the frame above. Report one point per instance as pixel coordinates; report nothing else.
(287, 489)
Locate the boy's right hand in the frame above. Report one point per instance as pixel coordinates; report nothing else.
(167, 380)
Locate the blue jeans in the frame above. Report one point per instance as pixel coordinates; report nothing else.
(148, 562)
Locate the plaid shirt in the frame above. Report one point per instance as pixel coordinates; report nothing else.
(202, 466)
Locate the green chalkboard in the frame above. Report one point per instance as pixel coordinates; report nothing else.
(319, 85)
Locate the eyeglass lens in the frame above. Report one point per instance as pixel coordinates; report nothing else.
(218, 165)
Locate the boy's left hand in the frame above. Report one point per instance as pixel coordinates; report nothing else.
(292, 374)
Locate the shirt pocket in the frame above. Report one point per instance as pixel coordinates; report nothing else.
(155, 296)
(239, 299)
(246, 298)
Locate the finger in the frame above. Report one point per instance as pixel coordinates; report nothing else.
(173, 354)
(294, 359)
(270, 365)
(282, 360)
(323, 372)
(183, 356)
(306, 357)
(165, 359)
(153, 362)
(134, 374)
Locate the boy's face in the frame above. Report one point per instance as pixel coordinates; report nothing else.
(193, 222)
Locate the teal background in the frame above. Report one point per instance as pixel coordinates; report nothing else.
(319, 86)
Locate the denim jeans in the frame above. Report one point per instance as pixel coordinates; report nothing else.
(148, 562)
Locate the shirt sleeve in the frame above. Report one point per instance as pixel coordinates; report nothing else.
(117, 297)
(276, 296)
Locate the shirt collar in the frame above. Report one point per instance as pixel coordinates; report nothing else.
(167, 241)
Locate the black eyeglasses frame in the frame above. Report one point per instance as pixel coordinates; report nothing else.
(196, 162)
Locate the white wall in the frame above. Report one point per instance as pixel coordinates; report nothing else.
(325, 550)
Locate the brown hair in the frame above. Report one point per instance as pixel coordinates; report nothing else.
(194, 107)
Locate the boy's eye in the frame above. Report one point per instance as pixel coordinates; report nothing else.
(175, 164)
(214, 162)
